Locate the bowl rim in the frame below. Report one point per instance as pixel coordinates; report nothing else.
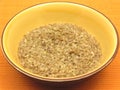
(60, 79)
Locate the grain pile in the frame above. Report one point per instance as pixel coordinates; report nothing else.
(59, 50)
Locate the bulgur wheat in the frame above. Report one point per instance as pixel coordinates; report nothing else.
(59, 50)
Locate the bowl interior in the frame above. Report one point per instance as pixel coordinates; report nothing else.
(89, 19)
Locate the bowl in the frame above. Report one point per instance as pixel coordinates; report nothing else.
(91, 20)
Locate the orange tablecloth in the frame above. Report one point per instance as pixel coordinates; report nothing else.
(107, 79)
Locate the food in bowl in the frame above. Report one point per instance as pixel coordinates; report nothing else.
(59, 50)
(94, 23)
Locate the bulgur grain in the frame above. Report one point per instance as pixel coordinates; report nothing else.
(59, 50)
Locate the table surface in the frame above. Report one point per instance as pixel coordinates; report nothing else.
(107, 79)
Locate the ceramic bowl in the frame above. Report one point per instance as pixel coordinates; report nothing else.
(91, 20)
